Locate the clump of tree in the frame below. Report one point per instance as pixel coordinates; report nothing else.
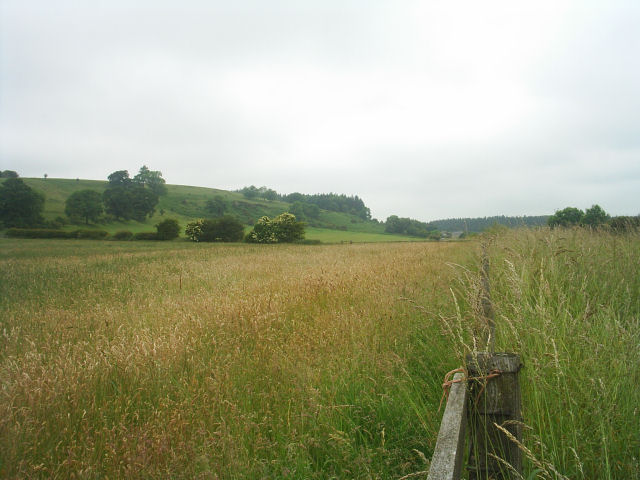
(85, 205)
(20, 205)
(223, 229)
(123, 235)
(8, 174)
(332, 202)
(282, 229)
(326, 201)
(126, 198)
(253, 192)
(572, 216)
(410, 227)
(303, 210)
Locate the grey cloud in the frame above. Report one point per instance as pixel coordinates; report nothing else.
(422, 109)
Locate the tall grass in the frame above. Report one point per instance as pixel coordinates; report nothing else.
(568, 301)
(181, 360)
(213, 361)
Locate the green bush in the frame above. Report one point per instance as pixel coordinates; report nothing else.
(145, 236)
(52, 225)
(168, 229)
(307, 241)
(91, 234)
(123, 235)
(38, 233)
(282, 229)
(223, 229)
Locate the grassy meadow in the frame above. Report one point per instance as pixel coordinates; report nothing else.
(126, 359)
(183, 360)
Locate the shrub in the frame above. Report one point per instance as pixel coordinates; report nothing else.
(145, 236)
(223, 229)
(91, 234)
(309, 242)
(123, 235)
(53, 224)
(168, 229)
(38, 233)
(282, 229)
(193, 230)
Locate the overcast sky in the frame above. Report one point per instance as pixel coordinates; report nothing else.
(427, 109)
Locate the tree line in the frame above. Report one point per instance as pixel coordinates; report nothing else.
(134, 198)
(593, 217)
(479, 224)
(332, 202)
(124, 198)
(411, 227)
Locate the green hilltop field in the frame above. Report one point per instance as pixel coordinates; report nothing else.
(186, 203)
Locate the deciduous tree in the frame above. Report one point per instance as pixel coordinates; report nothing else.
(152, 179)
(20, 205)
(85, 204)
(128, 200)
(595, 216)
(566, 217)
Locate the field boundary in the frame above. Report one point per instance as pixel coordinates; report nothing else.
(483, 408)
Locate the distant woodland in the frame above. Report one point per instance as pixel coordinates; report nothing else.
(482, 223)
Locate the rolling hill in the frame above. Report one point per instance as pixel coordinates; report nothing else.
(186, 203)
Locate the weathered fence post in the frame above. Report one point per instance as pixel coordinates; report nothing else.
(446, 463)
(493, 402)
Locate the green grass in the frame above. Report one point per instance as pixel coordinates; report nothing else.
(184, 360)
(337, 236)
(568, 301)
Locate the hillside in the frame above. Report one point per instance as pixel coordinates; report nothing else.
(187, 203)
